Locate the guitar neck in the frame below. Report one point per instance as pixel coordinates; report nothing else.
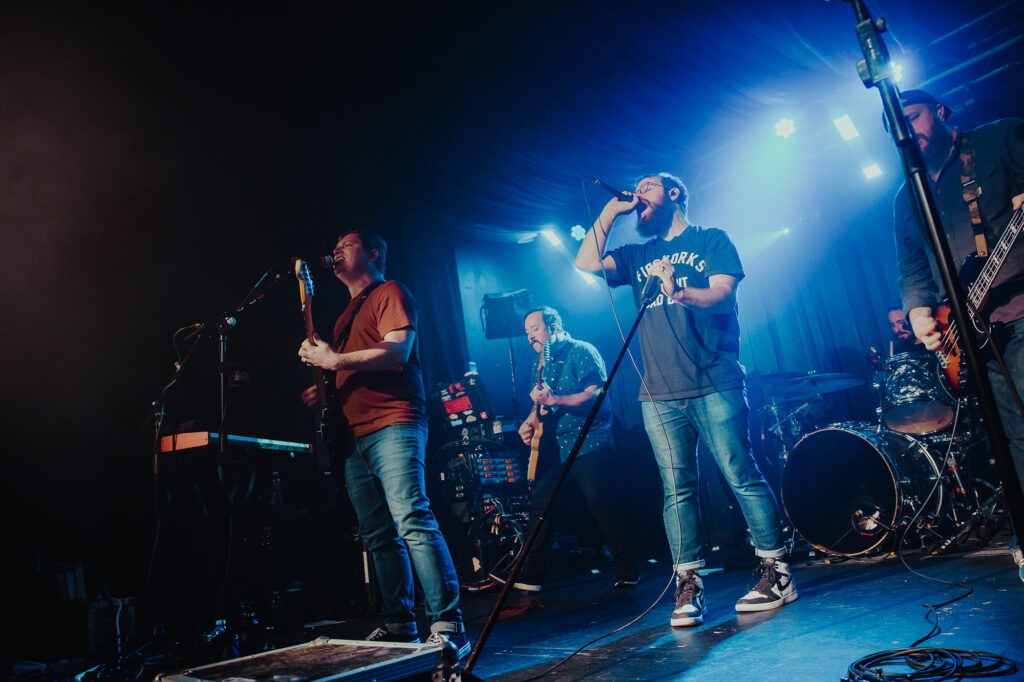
(979, 290)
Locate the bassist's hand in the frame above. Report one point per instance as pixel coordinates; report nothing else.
(311, 396)
(925, 328)
(1017, 201)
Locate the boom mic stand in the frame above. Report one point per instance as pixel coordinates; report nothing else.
(563, 474)
(221, 324)
(874, 72)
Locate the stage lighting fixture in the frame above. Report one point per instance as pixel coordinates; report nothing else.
(578, 233)
(551, 235)
(872, 171)
(785, 127)
(846, 129)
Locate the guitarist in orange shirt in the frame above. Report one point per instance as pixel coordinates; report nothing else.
(570, 373)
(977, 181)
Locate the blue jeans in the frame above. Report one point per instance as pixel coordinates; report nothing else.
(385, 480)
(1006, 405)
(720, 421)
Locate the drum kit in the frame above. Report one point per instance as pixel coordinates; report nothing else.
(919, 477)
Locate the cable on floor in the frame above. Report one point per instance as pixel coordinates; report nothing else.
(929, 664)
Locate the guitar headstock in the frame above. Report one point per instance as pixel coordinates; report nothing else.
(305, 278)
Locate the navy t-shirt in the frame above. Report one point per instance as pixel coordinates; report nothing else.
(687, 352)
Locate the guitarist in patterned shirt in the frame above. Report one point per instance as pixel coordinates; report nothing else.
(977, 180)
(573, 372)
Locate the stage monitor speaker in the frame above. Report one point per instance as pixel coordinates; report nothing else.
(502, 314)
(326, 659)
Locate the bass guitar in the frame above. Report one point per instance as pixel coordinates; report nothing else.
(324, 442)
(980, 272)
(539, 413)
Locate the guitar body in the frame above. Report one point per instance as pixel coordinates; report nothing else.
(954, 371)
(540, 413)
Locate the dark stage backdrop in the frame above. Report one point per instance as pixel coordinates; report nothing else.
(155, 163)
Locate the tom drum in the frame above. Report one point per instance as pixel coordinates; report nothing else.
(914, 401)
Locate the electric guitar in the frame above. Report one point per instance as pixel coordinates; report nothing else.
(980, 271)
(325, 413)
(539, 412)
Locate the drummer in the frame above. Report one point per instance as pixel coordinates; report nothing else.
(903, 339)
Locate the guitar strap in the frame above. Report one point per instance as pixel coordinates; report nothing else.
(341, 337)
(971, 191)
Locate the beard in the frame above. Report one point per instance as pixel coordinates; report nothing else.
(658, 222)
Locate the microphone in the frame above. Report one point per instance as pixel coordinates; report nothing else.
(326, 262)
(618, 194)
(652, 287)
(226, 323)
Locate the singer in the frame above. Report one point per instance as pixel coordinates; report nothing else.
(693, 384)
(379, 387)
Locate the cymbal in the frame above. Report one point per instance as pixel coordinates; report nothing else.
(813, 385)
(757, 380)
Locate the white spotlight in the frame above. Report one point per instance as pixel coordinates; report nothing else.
(872, 171)
(846, 129)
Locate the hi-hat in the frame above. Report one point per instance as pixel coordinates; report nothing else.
(812, 385)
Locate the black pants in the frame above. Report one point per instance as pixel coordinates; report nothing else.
(592, 475)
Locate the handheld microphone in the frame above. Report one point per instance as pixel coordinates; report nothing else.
(651, 288)
(326, 261)
(618, 194)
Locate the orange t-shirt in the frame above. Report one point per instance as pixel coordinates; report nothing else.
(372, 400)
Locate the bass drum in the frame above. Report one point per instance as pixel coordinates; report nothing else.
(849, 488)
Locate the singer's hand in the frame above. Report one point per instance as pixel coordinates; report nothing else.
(617, 206)
(664, 271)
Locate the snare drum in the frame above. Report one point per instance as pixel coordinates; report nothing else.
(913, 400)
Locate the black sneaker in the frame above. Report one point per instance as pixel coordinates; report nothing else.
(690, 606)
(385, 635)
(774, 589)
(458, 641)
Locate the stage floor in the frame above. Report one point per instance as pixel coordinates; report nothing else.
(849, 609)
(846, 611)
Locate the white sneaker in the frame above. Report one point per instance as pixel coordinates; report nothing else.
(774, 589)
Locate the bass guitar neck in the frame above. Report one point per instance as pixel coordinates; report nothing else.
(980, 273)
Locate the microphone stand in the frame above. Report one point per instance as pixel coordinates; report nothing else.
(222, 323)
(874, 72)
(563, 474)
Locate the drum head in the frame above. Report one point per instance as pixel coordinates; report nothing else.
(843, 488)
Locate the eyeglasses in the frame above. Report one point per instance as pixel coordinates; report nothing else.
(646, 187)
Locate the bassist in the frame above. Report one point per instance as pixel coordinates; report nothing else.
(977, 180)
